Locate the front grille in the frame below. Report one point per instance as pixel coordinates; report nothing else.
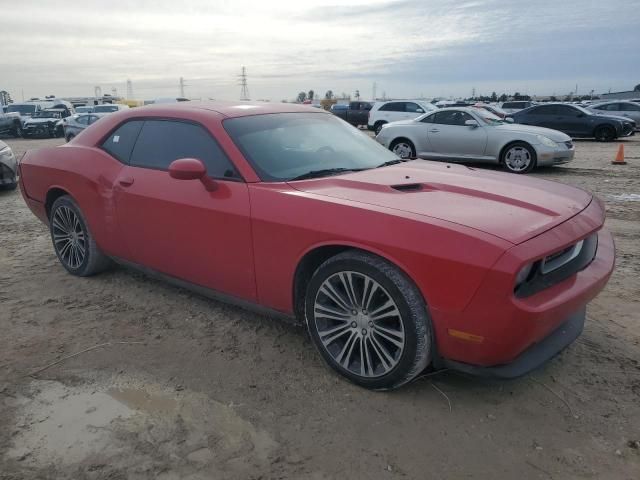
(569, 144)
(627, 128)
(559, 266)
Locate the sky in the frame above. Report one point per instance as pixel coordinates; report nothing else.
(409, 48)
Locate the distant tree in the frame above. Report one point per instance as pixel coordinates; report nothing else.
(357, 95)
(553, 98)
(567, 98)
(328, 95)
(5, 98)
(310, 95)
(494, 97)
(301, 97)
(503, 97)
(636, 88)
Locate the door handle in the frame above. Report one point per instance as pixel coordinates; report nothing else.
(434, 130)
(126, 181)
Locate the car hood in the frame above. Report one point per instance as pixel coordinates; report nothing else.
(554, 135)
(505, 205)
(613, 117)
(33, 121)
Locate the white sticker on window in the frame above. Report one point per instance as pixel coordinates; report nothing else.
(116, 138)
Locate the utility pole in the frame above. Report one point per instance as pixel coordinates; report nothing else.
(373, 96)
(244, 88)
(97, 91)
(129, 89)
(182, 85)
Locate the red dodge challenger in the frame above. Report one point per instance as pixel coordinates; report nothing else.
(394, 265)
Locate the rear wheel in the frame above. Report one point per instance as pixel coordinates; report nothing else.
(17, 130)
(70, 137)
(368, 320)
(403, 148)
(518, 157)
(605, 133)
(377, 127)
(72, 241)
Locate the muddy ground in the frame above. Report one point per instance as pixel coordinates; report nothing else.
(202, 390)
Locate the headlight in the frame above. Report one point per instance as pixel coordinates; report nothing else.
(547, 141)
(523, 274)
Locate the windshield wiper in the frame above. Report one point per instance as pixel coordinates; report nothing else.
(325, 172)
(393, 162)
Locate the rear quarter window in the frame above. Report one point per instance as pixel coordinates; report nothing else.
(120, 142)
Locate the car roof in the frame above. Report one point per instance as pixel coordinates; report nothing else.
(227, 109)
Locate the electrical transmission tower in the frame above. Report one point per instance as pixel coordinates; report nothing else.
(129, 89)
(97, 91)
(182, 85)
(244, 89)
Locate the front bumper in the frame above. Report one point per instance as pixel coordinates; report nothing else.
(503, 327)
(555, 156)
(532, 358)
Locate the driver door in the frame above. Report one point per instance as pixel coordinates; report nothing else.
(177, 227)
(451, 138)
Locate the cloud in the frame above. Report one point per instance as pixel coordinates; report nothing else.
(440, 47)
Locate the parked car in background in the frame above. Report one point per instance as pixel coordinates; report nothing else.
(394, 110)
(109, 108)
(84, 109)
(24, 111)
(281, 206)
(8, 167)
(76, 123)
(515, 106)
(356, 113)
(497, 111)
(10, 123)
(576, 121)
(472, 134)
(45, 123)
(618, 109)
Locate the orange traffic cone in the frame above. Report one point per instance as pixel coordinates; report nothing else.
(620, 156)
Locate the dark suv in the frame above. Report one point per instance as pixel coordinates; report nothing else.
(576, 121)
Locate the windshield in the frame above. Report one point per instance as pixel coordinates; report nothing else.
(105, 108)
(84, 109)
(283, 146)
(489, 118)
(45, 114)
(22, 109)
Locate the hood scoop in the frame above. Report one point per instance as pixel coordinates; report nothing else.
(408, 187)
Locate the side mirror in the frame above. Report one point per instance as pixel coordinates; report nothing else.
(472, 123)
(419, 110)
(509, 120)
(191, 169)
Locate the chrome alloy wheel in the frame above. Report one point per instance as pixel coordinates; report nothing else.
(69, 237)
(359, 324)
(517, 159)
(403, 150)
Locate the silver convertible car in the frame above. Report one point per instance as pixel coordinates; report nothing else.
(471, 134)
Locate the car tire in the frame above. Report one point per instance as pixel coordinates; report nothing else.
(9, 186)
(518, 157)
(404, 148)
(17, 131)
(72, 241)
(377, 127)
(604, 133)
(390, 357)
(70, 137)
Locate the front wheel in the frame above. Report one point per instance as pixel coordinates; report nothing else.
(605, 134)
(377, 127)
(72, 241)
(403, 148)
(368, 320)
(519, 157)
(17, 131)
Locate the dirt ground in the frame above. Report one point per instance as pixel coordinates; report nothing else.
(203, 390)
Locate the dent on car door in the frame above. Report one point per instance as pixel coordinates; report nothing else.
(178, 227)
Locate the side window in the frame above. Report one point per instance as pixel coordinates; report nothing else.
(413, 107)
(93, 119)
(428, 118)
(544, 110)
(120, 143)
(83, 120)
(445, 118)
(629, 107)
(509, 105)
(567, 111)
(393, 107)
(162, 141)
